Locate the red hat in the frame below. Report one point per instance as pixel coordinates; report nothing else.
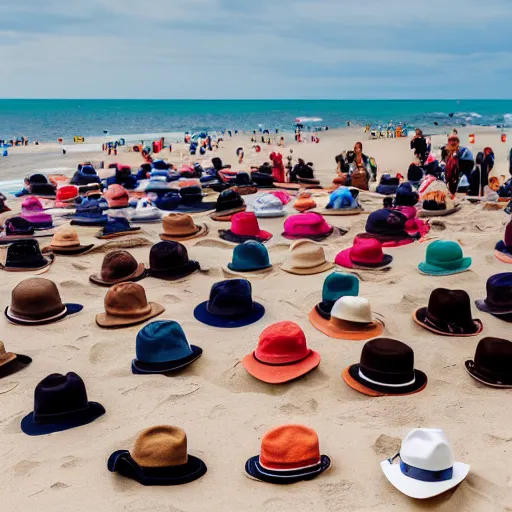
(117, 196)
(244, 226)
(365, 253)
(66, 196)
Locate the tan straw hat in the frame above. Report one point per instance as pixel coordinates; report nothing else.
(306, 258)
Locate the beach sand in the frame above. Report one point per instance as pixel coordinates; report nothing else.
(225, 411)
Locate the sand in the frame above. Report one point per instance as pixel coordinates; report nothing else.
(225, 411)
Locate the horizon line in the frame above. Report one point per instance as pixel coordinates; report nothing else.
(253, 99)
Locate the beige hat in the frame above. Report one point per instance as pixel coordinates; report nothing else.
(306, 258)
(179, 227)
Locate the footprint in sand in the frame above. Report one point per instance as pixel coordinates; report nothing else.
(213, 243)
(57, 486)
(81, 265)
(70, 462)
(386, 446)
(308, 406)
(24, 467)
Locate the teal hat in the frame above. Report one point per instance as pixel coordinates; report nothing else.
(251, 256)
(336, 285)
(444, 258)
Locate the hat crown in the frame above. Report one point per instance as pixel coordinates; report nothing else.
(339, 284)
(179, 224)
(168, 255)
(352, 309)
(25, 253)
(67, 192)
(36, 298)
(306, 224)
(427, 449)
(444, 253)
(161, 446)
(229, 199)
(499, 289)
(245, 224)
(306, 254)
(118, 265)
(385, 221)
(31, 205)
(268, 202)
(116, 192)
(232, 297)
(366, 250)
(281, 343)
(493, 358)
(65, 235)
(508, 235)
(126, 299)
(250, 255)
(450, 308)
(16, 225)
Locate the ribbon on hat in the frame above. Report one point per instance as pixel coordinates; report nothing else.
(423, 475)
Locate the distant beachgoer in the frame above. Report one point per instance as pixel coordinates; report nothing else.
(362, 162)
(419, 145)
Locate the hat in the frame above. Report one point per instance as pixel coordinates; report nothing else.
(448, 313)
(115, 227)
(289, 454)
(192, 200)
(251, 256)
(343, 201)
(25, 256)
(10, 362)
(159, 458)
(406, 195)
(306, 258)
(388, 185)
(180, 227)
(162, 347)
(65, 241)
(145, 212)
(32, 210)
(336, 285)
(85, 175)
(60, 403)
(230, 305)
(119, 267)
(444, 258)
(366, 253)
(268, 206)
(427, 465)
(282, 355)
(308, 225)
(90, 213)
(244, 226)
(387, 225)
(304, 202)
(493, 363)
(503, 250)
(499, 296)
(386, 368)
(126, 304)
(66, 195)
(16, 228)
(169, 260)
(117, 196)
(229, 202)
(351, 319)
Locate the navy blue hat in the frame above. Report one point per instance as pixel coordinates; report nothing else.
(160, 165)
(90, 213)
(230, 305)
(499, 296)
(116, 226)
(168, 201)
(406, 195)
(192, 200)
(60, 403)
(85, 176)
(169, 259)
(388, 185)
(163, 347)
(387, 224)
(251, 256)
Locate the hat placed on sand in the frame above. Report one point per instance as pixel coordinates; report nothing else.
(65, 241)
(386, 368)
(10, 362)
(66, 195)
(244, 226)
(503, 250)
(119, 267)
(444, 258)
(90, 212)
(16, 228)
(289, 454)
(33, 211)
(493, 363)
(336, 285)
(230, 305)
(169, 260)
(308, 225)
(388, 184)
(116, 227)
(406, 195)
(126, 304)
(351, 319)
(388, 226)
(159, 457)
(25, 256)
(145, 212)
(499, 297)
(366, 253)
(180, 227)
(268, 206)
(229, 202)
(192, 200)
(162, 347)
(251, 256)
(306, 258)
(117, 196)
(304, 202)
(427, 465)
(343, 201)
(448, 313)
(60, 403)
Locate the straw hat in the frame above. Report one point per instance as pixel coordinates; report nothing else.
(65, 241)
(306, 258)
(179, 227)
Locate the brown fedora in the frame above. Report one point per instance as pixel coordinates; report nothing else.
(65, 241)
(179, 227)
(11, 363)
(126, 304)
(119, 267)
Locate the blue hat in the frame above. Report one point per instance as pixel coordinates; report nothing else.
(406, 195)
(115, 227)
(230, 305)
(250, 256)
(163, 347)
(388, 185)
(343, 199)
(168, 202)
(90, 213)
(336, 285)
(85, 176)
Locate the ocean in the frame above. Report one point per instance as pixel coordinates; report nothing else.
(47, 120)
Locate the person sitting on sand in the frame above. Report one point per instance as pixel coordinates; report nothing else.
(360, 169)
(301, 170)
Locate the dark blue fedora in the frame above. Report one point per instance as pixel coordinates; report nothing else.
(162, 347)
(406, 195)
(116, 226)
(60, 403)
(499, 296)
(90, 212)
(169, 201)
(388, 185)
(230, 305)
(169, 260)
(388, 225)
(85, 175)
(192, 200)
(251, 256)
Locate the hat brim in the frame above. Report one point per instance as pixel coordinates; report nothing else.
(334, 233)
(202, 314)
(229, 236)
(194, 207)
(140, 273)
(140, 367)
(254, 469)
(438, 213)
(470, 368)
(111, 321)
(85, 221)
(225, 216)
(269, 214)
(12, 366)
(203, 231)
(432, 270)
(70, 309)
(339, 211)
(326, 265)
(171, 274)
(343, 260)
(116, 235)
(482, 305)
(503, 256)
(297, 186)
(32, 428)
(420, 315)
(351, 377)
(69, 251)
(422, 490)
(237, 272)
(48, 261)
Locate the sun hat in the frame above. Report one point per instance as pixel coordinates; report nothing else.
(366, 253)
(169, 260)
(406, 195)
(289, 454)
(66, 195)
(499, 296)
(304, 202)
(10, 362)
(268, 206)
(117, 196)
(308, 225)
(180, 227)
(306, 258)
(162, 347)
(351, 319)
(119, 267)
(229, 202)
(230, 305)
(427, 465)
(126, 304)
(37, 301)
(90, 212)
(32, 210)
(16, 228)
(159, 457)
(65, 242)
(145, 212)
(449, 314)
(251, 256)
(444, 258)
(244, 226)
(116, 227)
(60, 403)
(503, 250)
(343, 201)
(386, 368)
(26, 256)
(492, 364)
(336, 285)
(388, 185)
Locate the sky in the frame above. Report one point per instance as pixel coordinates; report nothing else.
(311, 49)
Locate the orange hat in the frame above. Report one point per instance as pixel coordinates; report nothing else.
(304, 202)
(117, 196)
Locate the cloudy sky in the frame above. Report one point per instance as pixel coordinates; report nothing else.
(255, 49)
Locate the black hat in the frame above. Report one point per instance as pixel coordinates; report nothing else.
(17, 228)
(25, 255)
(493, 363)
(499, 296)
(406, 195)
(192, 200)
(228, 202)
(169, 260)
(387, 225)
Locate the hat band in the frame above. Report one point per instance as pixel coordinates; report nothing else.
(286, 471)
(295, 361)
(386, 384)
(188, 233)
(426, 475)
(25, 320)
(60, 416)
(450, 327)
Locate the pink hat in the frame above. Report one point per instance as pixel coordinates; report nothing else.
(307, 225)
(365, 253)
(117, 196)
(282, 195)
(32, 210)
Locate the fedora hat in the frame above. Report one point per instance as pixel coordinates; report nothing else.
(427, 465)
(288, 454)
(282, 354)
(33, 211)
(499, 296)
(351, 319)
(180, 227)
(406, 195)
(162, 347)
(244, 226)
(366, 253)
(65, 241)
(251, 257)
(26, 256)
(90, 212)
(386, 368)
(448, 313)
(66, 195)
(126, 304)
(169, 260)
(343, 201)
(388, 226)
(336, 285)
(308, 225)
(492, 364)
(116, 227)
(230, 305)
(117, 196)
(306, 258)
(119, 267)
(60, 403)
(159, 457)
(17, 228)
(228, 203)
(444, 258)
(192, 200)
(388, 185)
(268, 206)
(503, 250)
(10, 362)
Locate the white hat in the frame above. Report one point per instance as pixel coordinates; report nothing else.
(145, 212)
(353, 309)
(427, 465)
(268, 205)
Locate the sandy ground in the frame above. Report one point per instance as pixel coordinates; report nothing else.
(225, 411)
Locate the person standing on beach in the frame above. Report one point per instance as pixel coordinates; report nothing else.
(419, 145)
